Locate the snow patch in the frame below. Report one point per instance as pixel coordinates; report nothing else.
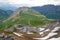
(55, 38)
(41, 29)
(18, 34)
(55, 29)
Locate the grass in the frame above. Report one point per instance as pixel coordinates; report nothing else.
(29, 17)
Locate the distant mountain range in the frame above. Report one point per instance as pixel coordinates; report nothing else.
(5, 14)
(8, 7)
(6, 10)
(50, 11)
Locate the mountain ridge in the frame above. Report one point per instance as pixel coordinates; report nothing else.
(25, 16)
(5, 14)
(50, 11)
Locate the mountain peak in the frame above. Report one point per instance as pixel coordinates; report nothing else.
(22, 9)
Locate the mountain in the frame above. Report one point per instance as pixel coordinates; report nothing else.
(50, 11)
(8, 7)
(24, 16)
(5, 14)
(10, 12)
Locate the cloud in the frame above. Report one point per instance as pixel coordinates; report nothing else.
(57, 2)
(31, 2)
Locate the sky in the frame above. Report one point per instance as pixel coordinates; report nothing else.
(29, 2)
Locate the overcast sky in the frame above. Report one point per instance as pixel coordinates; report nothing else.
(30, 2)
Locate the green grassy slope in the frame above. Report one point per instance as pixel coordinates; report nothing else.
(24, 17)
